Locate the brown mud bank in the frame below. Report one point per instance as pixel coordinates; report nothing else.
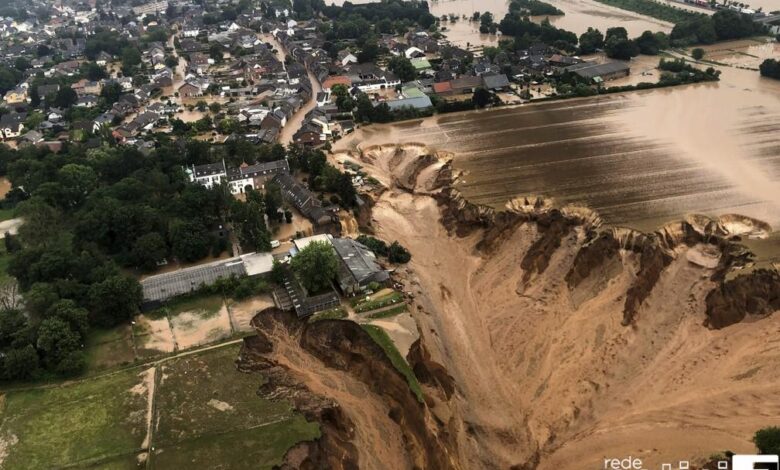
(336, 374)
(569, 340)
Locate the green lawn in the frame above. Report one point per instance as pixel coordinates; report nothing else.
(333, 314)
(6, 214)
(382, 339)
(111, 347)
(390, 312)
(383, 301)
(206, 305)
(208, 410)
(207, 414)
(64, 425)
(259, 448)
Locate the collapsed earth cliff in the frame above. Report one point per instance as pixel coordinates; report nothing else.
(547, 340)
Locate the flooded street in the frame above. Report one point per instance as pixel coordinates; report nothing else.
(640, 159)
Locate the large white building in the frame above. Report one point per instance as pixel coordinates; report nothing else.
(238, 179)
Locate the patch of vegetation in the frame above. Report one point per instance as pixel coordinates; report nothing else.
(770, 68)
(390, 312)
(383, 340)
(205, 305)
(534, 8)
(58, 426)
(6, 214)
(207, 408)
(264, 446)
(337, 313)
(384, 301)
(767, 440)
(653, 9)
(395, 252)
(315, 266)
(109, 347)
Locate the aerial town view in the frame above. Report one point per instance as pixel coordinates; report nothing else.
(390, 234)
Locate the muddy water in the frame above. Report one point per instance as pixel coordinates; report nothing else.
(640, 159)
(580, 14)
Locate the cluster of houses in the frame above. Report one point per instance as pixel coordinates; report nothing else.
(262, 66)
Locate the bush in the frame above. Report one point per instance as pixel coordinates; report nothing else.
(697, 53)
(767, 440)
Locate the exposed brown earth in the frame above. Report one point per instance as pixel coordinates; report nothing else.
(547, 340)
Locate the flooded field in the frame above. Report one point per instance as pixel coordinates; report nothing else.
(579, 15)
(640, 159)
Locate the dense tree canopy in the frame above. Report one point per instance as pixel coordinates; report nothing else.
(315, 266)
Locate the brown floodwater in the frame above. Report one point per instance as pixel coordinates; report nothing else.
(640, 159)
(579, 15)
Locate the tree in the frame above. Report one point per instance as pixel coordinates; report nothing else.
(131, 58)
(485, 22)
(770, 68)
(67, 310)
(57, 341)
(111, 92)
(618, 32)
(148, 250)
(368, 52)
(398, 254)
(216, 52)
(40, 297)
(93, 71)
(767, 440)
(215, 107)
(315, 266)
(650, 43)
(114, 299)
(403, 68)
(620, 48)
(77, 181)
(591, 41)
(20, 363)
(190, 241)
(697, 53)
(65, 97)
(481, 97)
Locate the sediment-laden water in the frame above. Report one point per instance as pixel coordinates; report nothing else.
(640, 159)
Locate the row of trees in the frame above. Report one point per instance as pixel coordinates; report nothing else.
(533, 8)
(721, 26)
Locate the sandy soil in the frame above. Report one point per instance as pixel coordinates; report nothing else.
(241, 313)
(154, 335)
(401, 328)
(538, 377)
(146, 387)
(194, 328)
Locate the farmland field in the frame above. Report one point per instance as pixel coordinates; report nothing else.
(204, 411)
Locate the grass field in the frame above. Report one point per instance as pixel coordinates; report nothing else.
(6, 214)
(206, 414)
(107, 348)
(385, 300)
(207, 408)
(333, 314)
(390, 312)
(82, 422)
(382, 339)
